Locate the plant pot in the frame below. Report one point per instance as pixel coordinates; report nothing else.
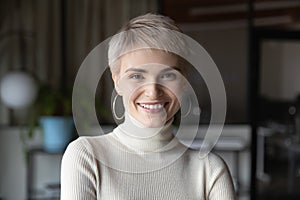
(58, 132)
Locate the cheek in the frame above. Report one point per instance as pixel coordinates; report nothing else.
(128, 87)
(177, 86)
(176, 93)
(130, 96)
(127, 90)
(176, 99)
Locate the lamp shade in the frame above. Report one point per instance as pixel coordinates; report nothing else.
(18, 89)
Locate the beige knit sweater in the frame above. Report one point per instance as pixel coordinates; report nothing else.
(120, 166)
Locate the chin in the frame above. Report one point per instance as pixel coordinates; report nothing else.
(154, 121)
(154, 125)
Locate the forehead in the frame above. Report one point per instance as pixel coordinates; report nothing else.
(147, 56)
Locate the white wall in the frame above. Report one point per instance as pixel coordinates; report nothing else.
(12, 167)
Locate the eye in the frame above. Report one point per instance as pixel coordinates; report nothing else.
(168, 76)
(136, 76)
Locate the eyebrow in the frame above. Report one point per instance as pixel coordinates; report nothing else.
(136, 70)
(145, 71)
(171, 68)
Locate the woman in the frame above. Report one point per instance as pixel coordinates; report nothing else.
(141, 158)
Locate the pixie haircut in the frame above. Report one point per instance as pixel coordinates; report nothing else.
(150, 31)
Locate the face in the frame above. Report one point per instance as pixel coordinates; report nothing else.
(151, 84)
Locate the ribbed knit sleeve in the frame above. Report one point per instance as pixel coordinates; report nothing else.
(78, 173)
(220, 181)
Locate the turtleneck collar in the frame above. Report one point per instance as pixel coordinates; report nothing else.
(139, 138)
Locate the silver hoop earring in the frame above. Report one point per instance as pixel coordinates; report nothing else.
(114, 109)
(189, 109)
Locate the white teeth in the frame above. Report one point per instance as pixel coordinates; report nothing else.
(152, 106)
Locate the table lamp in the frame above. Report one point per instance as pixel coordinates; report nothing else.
(18, 89)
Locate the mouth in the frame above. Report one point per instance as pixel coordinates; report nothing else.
(152, 107)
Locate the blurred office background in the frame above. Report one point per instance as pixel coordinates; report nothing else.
(255, 44)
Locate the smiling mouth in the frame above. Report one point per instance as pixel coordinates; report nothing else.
(152, 107)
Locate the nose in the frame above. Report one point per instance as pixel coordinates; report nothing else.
(153, 91)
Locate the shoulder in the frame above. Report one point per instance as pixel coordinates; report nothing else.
(84, 147)
(208, 157)
(76, 151)
(84, 142)
(81, 144)
(216, 172)
(215, 164)
(210, 160)
(215, 161)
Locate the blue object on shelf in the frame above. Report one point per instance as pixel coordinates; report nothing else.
(58, 132)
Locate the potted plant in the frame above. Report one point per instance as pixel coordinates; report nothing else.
(52, 112)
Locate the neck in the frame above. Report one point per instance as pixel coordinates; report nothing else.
(140, 138)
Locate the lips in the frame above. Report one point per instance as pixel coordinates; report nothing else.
(152, 107)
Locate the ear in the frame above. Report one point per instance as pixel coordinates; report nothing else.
(115, 78)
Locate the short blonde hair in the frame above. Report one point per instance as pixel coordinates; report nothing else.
(149, 30)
